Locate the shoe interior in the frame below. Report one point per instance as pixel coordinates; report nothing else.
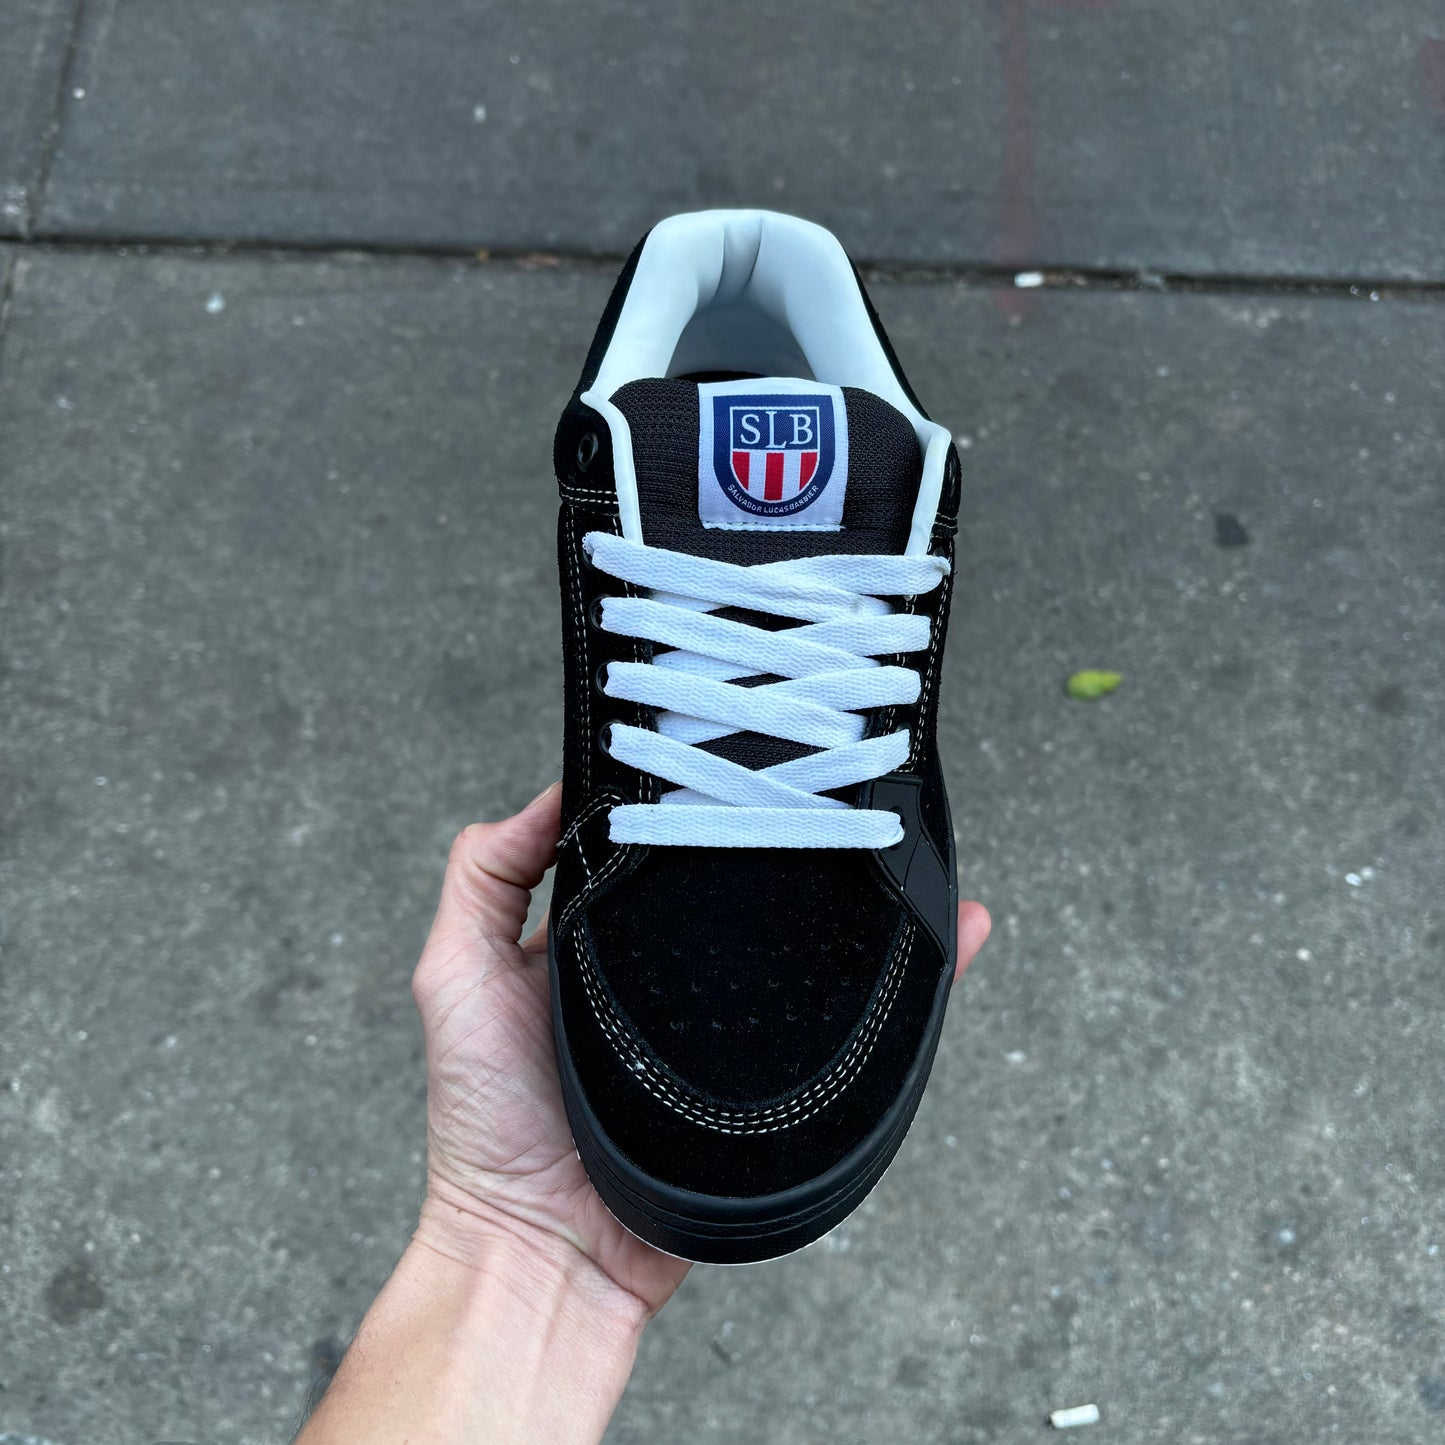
(752, 293)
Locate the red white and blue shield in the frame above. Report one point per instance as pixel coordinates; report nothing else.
(773, 454)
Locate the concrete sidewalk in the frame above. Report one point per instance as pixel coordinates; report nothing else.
(278, 615)
(1097, 133)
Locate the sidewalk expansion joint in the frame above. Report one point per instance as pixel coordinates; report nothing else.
(975, 274)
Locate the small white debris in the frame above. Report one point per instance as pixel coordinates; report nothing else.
(79, 92)
(479, 113)
(962, 442)
(1028, 280)
(1074, 1415)
(1161, 371)
(215, 303)
(1353, 879)
(1286, 1235)
(1015, 1056)
(64, 403)
(1303, 954)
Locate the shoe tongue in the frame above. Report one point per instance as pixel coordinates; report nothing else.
(764, 469)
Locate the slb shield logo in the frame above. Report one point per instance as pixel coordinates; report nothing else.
(773, 454)
(778, 451)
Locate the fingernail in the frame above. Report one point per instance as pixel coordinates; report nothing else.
(550, 788)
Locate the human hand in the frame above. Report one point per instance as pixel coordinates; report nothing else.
(515, 1314)
(500, 1155)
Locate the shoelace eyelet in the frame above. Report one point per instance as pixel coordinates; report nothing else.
(587, 450)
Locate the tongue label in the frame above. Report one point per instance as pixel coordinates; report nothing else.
(772, 455)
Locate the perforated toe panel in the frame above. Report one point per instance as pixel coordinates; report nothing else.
(745, 994)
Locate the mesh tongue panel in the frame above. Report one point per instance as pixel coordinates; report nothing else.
(884, 467)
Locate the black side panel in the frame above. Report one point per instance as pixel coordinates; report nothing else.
(570, 461)
(602, 338)
(920, 871)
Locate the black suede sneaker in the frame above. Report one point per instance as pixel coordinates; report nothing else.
(754, 913)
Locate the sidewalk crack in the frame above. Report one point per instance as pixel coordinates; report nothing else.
(30, 221)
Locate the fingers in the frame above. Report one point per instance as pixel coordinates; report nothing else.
(973, 929)
(493, 869)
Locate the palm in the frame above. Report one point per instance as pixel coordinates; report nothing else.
(498, 1139)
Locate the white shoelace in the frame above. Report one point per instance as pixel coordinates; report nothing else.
(827, 668)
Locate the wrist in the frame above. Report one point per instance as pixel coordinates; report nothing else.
(559, 1337)
(540, 1264)
(487, 1330)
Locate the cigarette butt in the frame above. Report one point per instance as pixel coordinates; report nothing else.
(1074, 1415)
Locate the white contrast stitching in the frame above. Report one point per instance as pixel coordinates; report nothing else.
(591, 806)
(605, 799)
(573, 836)
(587, 742)
(773, 1117)
(929, 664)
(574, 569)
(594, 883)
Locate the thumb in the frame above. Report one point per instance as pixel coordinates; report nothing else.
(492, 870)
(974, 925)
